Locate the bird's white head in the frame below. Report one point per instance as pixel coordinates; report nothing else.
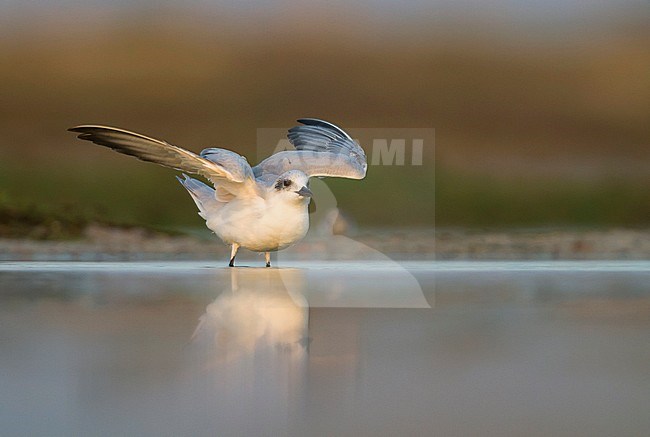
(293, 185)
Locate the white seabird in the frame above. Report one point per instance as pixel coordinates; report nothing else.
(263, 208)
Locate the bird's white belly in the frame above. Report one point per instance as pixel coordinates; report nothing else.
(258, 226)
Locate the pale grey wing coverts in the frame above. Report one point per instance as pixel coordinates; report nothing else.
(236, 164)
(220, 166)
(322, 149)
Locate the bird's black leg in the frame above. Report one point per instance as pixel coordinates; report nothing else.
(267, 255)
(233, 254)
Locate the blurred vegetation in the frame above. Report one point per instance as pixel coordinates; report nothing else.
(530, 131)
(43, 222)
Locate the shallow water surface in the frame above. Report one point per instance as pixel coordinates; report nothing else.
(325, 348)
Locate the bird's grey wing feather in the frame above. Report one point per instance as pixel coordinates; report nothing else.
(325, 125)
(236, 164)
(312, 164)
(322, 149)
(236, 175)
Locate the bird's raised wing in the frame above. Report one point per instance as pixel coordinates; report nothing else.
(223, 168)
(322, 149)
(237, 166)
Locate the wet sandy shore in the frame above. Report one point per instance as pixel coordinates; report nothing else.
(101, 243)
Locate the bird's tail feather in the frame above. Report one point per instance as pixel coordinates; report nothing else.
(203, 195)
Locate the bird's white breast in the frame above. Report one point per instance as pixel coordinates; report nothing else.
(259, 224)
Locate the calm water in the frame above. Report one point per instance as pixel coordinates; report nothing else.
(424, 348)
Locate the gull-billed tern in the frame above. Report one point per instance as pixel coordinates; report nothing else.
(262, 208)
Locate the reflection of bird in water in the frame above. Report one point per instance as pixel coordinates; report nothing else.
(263, 208)
(248, 358)
(257, 316)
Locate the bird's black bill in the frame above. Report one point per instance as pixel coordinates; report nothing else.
(305, 192)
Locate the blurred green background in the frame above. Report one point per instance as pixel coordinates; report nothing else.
(541, 111)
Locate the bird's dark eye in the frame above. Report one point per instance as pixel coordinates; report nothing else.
(286, 182)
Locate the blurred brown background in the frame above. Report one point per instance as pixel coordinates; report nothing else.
(541, 112)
